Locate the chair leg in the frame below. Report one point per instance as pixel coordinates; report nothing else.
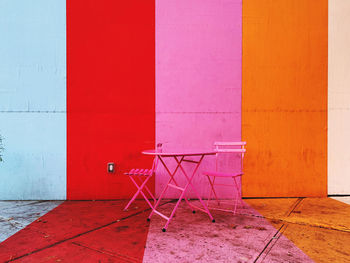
(131, 200)
(240, 194)
(149, 192)
(139, 190)
(147, 189)
(212, 190)
(146, 199)
(140, 182)
(216, 197)
(237, 195)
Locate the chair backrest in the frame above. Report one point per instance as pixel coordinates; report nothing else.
(230, 147)
(155, 160)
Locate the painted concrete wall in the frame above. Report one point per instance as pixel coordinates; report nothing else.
(284, 113)
(33, 99)
(198, 77)
(339, 97)
(198, 92)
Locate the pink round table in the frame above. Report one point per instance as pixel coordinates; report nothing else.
(179, 157)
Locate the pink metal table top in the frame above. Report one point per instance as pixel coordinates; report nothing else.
(180, 152)
(179, 157)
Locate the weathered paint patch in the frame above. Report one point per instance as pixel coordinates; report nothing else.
(244, 237)
(15, 215)
(120, 242)
(71, 252)
(310, 221)
(323, 212)
(73, 226)
(198, 77)
(322, 245)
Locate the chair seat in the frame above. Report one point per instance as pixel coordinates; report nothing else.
(140, 172)
(219, 174)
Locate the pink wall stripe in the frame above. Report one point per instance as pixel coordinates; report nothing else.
(198, 76)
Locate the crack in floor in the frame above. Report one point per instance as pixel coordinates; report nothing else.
(261, 257)
(12, 222)
(81, 234)
(274, 239)
(112, 254)
(285, 221)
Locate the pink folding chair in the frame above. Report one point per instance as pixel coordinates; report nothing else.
(236, 148)
(140, 177)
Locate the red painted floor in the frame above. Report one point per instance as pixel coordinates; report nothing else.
(84, 231)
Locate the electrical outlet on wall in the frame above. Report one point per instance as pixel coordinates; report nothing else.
(111, 168)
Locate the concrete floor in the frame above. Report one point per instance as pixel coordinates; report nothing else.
(344, 199)
(15, 215)
(263, 230)
(244, 237)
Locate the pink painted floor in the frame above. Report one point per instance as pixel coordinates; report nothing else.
(244, 237)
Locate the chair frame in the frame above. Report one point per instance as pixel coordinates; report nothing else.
(139, 174)
(238, 193)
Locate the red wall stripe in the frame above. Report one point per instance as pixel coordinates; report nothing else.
(110, 94)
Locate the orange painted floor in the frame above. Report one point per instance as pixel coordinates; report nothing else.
(264, 230)
(320, 227)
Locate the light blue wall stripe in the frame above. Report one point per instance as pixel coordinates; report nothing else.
(34, 156)
(33, 99)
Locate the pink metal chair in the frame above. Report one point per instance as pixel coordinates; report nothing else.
(236, 148)
(140, 177)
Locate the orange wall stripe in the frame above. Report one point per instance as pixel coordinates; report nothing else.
(284, 104)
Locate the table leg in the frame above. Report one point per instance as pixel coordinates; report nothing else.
(185, 198)
(189, 182)
(189, 179)
(176, 206)
(172, 175)
(165, 188)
